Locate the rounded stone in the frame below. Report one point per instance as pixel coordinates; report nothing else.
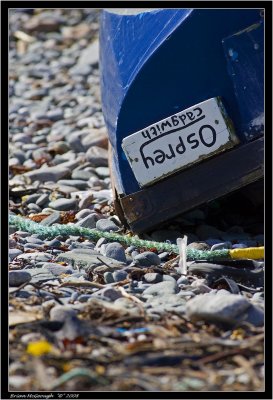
(17, 278)
(152, 277)
(162, 289)
(116, 251)
(198, 246)
(108, 277)
(13, 253)
(119, 276)
(105, 225)
(88, 222)
(63, 204)
(147, 258)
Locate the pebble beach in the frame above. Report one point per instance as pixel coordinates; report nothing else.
(98, 315)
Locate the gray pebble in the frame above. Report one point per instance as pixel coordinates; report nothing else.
(119, 276)
(77, 183)
(57, 269)
(152, 277)
(83, 213)
(32, 198)
(34, 240)
(48, 174)
(55, 115)
(31, 246)
(108, 277)
(116, 251)
(17, 278)
(198, 246)
(162, 289)
(163, 256)
(13, 253)
(53, 243)
(37, 256)
(88, 222)
(82, 174)
(217, 308)
(63, 204)
(105, 225)
(183, 280)
(135, 253)
(147, 258)
(102, 172)
(42, 200)
(34, 208)
(83, 298)
(110, 293)
(97, 156)
(168, 278)
(53, 218)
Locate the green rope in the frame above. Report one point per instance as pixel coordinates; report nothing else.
(94, 234)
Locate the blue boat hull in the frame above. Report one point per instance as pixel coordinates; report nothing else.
(156, 63)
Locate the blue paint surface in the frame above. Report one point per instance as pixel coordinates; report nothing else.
(157, 63)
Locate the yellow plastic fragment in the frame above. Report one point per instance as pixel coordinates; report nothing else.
(39, 348)
(252, 253)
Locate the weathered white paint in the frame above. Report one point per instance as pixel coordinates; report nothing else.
(179, 141)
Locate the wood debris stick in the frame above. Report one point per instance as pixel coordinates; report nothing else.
(83, 284)
(24, 37)
(182, 248)
(129, 296)
(247, 365)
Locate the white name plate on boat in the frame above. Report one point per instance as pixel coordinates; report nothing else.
(179, 141)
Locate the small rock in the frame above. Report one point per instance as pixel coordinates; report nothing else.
(108, 277)
(77, 183)
(198, 246)
(162, 289)
(88, 222)
(13, 253)
(97, 156)
(48, 174)
(217, 308)
(53, 218)
(53, 243)
(102, 172)
(42, 200)
(55, 115)
(37, 257)
(17, 278)
(152, 277)
(83, 298)
(63, 204)
(110, 293)
(168, 278)
(119, 276)
(83, 213)
(147, 258)
(85, 258)
(90, 55)
(183, 280)
(106, 225)
(116, 251)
